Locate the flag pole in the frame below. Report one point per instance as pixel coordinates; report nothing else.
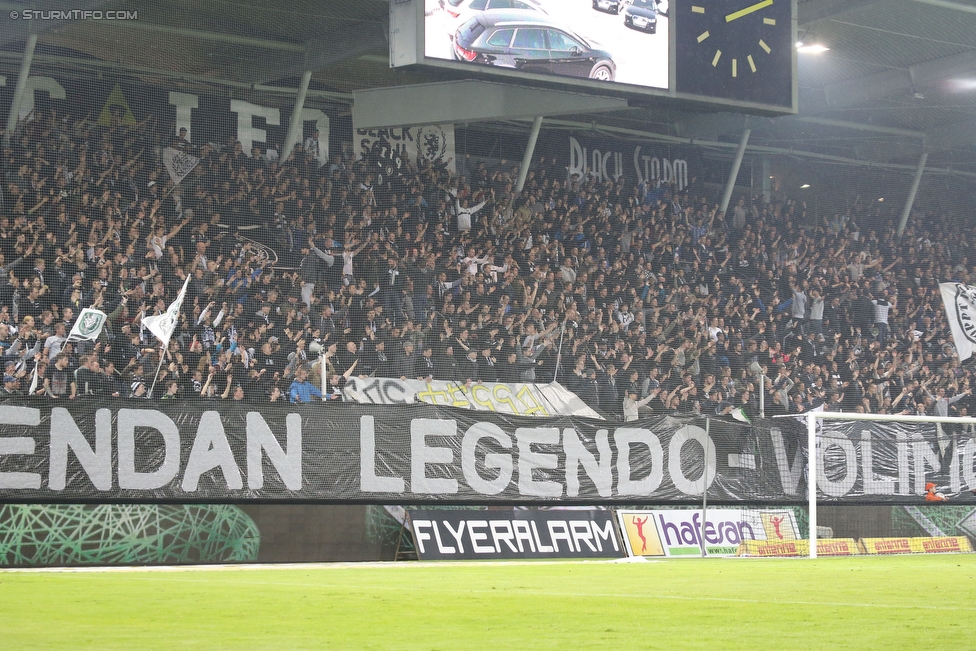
(162, 358)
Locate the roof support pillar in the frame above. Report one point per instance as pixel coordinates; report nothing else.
(25, 66)
(767, 181)
(912, 191)
(295, 124)
(529, 150)
(734, 173)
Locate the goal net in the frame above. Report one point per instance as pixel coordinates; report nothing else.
(884, 485)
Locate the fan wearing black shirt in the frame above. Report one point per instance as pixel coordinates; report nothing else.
(487, 366)
(425, 367)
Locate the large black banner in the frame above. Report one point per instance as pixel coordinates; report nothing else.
(894, 462)
(237, 452)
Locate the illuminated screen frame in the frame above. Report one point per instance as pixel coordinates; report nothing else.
(408, 47)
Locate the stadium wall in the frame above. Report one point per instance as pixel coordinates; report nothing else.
(300, 533)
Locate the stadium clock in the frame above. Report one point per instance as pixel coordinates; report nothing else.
(735, 49)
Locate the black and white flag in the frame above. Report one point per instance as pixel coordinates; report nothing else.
(960, 304)
(178, 163)
(163, 325)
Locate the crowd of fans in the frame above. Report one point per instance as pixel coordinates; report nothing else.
(634, 297)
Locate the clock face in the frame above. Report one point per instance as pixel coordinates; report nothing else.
(735, 49)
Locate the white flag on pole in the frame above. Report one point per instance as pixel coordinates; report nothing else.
(960, 304)
(88, 326)
(178, 163)
(163, 325)
(34, 381)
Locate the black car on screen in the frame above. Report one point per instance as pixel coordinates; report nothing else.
(642, 14)
(530, 42)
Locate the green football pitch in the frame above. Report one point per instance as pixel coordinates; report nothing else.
(911, 602)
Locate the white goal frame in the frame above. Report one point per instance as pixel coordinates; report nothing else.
(812, 417)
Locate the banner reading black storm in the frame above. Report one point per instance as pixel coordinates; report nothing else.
(416, 454)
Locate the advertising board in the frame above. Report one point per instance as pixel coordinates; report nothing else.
(690, 532)
(511, 534)
(917, 545)
(825, 547)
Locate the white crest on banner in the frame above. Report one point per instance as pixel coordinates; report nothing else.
(960, 304)
(178, 163)
(392, 148)
(88, 325)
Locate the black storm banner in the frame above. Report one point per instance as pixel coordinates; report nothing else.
(415, 454)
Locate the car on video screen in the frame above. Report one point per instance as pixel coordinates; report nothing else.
(462, 10)
(611, 6)
(642, 14)
(530, 42)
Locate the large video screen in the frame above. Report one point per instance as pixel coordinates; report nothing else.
(610, 41)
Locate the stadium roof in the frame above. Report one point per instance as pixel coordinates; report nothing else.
(899, 78)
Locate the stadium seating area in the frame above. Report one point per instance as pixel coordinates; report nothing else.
(651, 295)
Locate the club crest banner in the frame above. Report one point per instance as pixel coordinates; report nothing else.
(390, 150)
(88, 325)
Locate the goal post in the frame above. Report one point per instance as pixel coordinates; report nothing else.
(813, 450)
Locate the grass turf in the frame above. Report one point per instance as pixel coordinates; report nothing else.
(910, 602)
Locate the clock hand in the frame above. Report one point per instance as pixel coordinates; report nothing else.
(748, 10)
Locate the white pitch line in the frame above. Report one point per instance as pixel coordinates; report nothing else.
(349, 565)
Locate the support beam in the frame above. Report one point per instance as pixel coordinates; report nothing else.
(734, 173)
(809, 13)
(204, 35)
(529, 150)
(912, 191)
(949, 4)
(767, 182)
(884, 149)
(60, 64)
(716, 125)
(712, 126)
(854, 92)
(25, 66)
(759, 149)
(956, 135)
(295, 124)
(18, 30)
(468, 101)
(860, 126)
(349, 43)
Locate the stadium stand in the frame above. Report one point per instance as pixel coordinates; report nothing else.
(645, 295)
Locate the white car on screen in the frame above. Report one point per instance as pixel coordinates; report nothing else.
(461, 10)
